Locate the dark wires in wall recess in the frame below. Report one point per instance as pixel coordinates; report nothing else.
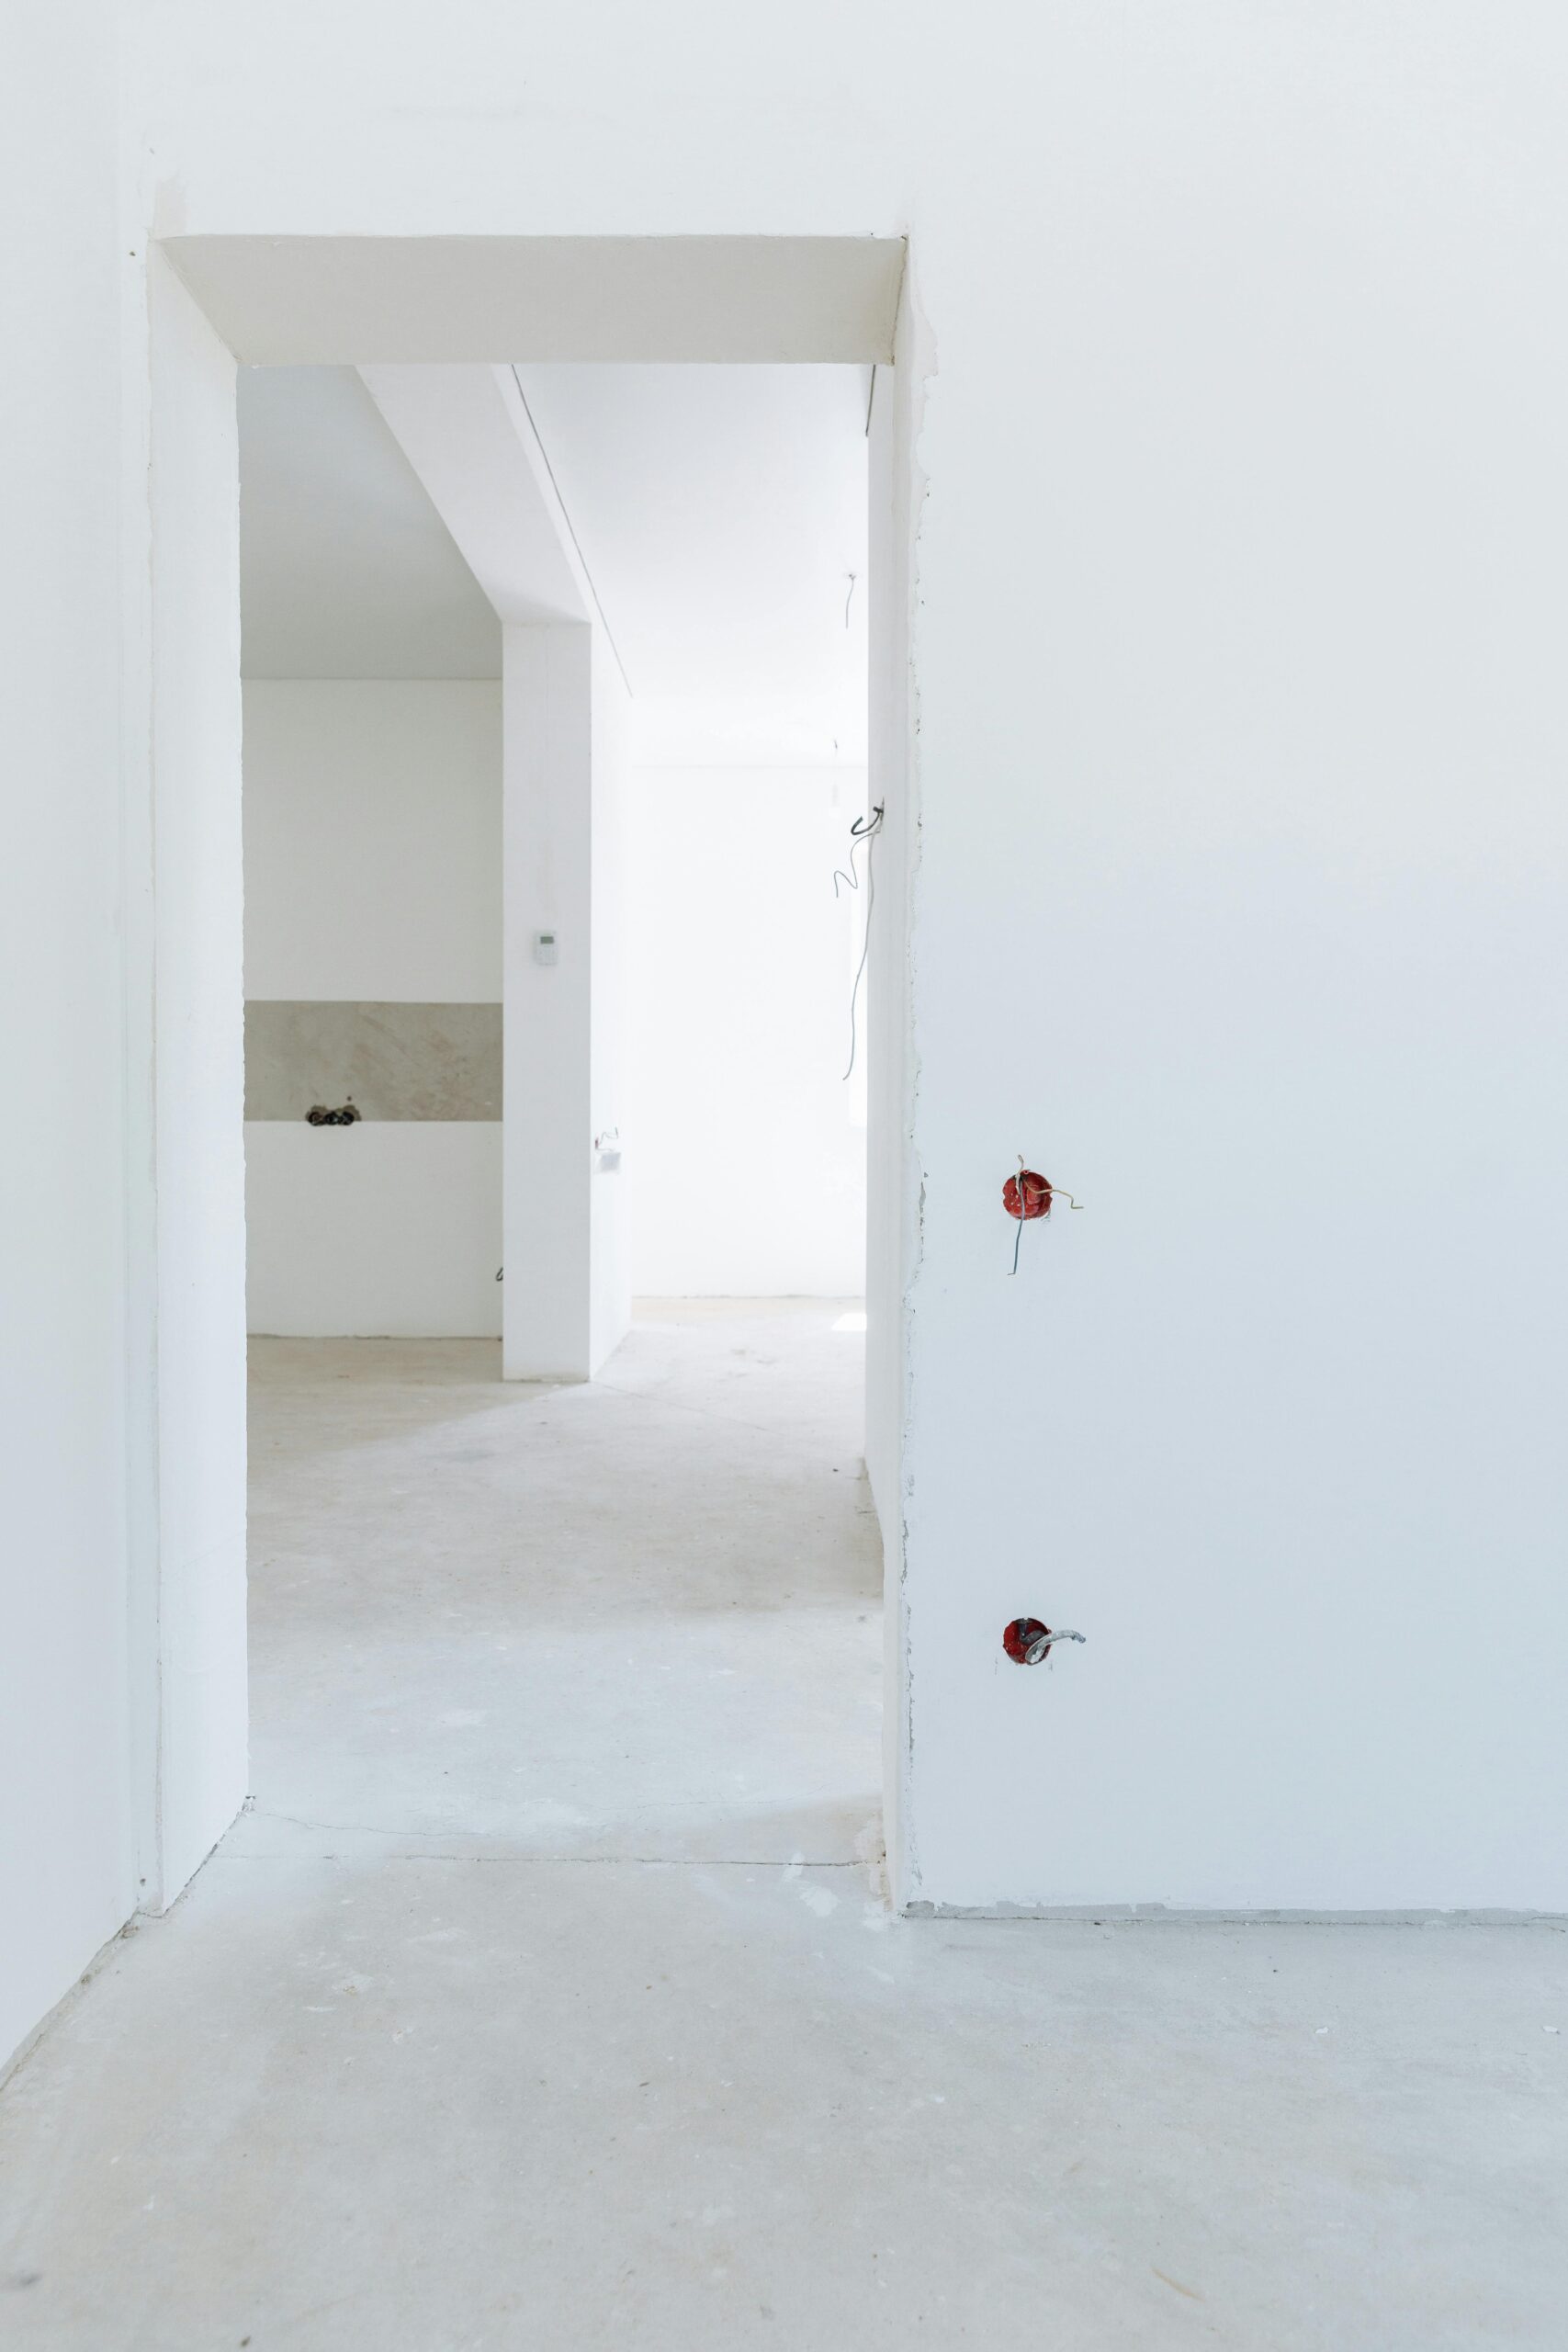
(865, 829)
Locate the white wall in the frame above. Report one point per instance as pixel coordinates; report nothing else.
(187, 1238)
(1236, 616)
(393, 1231)
(373, 873)
(373, 839)
(893, 1174)
(65, 1810)
(611, 979)
(1239, 910)
(568, 1300)
(745, 1147)
(1238, 899)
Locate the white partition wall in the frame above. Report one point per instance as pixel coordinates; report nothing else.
(188, 1236)
(467, 434)
(747, 1137)
(547, 995)
(1232, 518)
(373, 878)
(567, 1292)
(893, 1176)
(66, 1839)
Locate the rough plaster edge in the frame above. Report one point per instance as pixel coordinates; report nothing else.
(922, 359)
(1155, 1914)
(137, 816)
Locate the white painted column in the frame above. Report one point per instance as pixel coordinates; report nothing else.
(546, 1135)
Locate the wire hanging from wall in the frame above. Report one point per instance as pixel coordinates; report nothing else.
(865, 829)
(1028, 1195)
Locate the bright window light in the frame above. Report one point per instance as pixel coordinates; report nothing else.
(853, 1321)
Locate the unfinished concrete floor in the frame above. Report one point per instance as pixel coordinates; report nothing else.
(635, 1620)
(435, 2056)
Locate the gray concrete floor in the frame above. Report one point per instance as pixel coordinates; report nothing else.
(639, 1619)
(548, 1998)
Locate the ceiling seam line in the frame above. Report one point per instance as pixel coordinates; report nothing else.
(572, 528)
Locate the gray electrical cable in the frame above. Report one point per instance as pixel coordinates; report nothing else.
(865, 829)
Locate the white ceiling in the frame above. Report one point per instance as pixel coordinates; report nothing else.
(346, 570)
(720, 511)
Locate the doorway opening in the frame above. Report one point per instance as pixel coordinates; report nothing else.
(636, 1617)
(442, 333)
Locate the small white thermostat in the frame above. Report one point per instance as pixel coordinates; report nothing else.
(545, 948)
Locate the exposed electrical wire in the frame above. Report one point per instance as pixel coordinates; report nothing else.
(849, 600)
(1028, 1195)
(861, 831)
(865, 829)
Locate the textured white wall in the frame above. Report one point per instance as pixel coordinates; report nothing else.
(567, 1298)
(66, 1827)
(1241, 855)
(373, 871)
(893, 1181)
(745, 1148)
(188, 1291)
(373, 839)
(1238, 900)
